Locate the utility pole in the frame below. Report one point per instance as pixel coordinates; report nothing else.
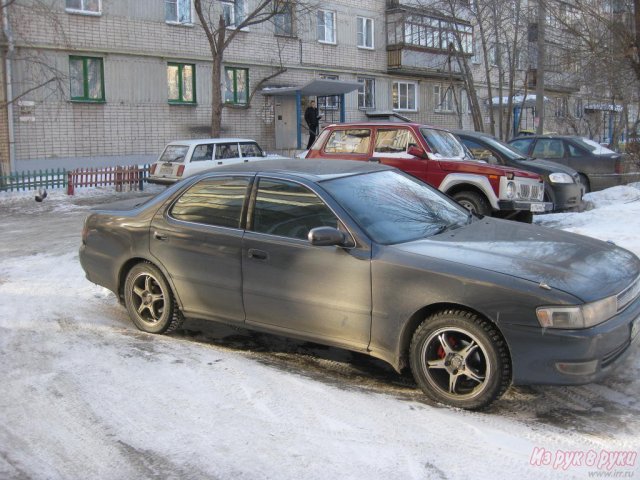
(542, 14)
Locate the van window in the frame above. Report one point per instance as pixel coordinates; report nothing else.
(349, 141)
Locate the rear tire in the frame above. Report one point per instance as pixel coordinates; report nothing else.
(460, 359)
(149, 300)
(474, 202)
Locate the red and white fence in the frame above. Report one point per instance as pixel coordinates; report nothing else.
(124, 178)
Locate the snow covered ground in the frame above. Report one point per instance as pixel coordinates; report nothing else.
(86, 395)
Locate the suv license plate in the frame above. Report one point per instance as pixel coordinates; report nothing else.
(537, 207)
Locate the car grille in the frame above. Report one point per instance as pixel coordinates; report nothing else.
(532, 192)
(629, 295)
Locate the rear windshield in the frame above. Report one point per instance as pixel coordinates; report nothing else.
(443, 143)
(174, 153)
(593, 147)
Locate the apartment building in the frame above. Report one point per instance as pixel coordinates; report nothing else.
(111, 81)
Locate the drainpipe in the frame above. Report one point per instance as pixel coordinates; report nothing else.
(6, 28)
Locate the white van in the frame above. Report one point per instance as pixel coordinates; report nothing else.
(184, 158)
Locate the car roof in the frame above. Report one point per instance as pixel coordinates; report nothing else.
(199, 141)
(385, 124)
(311, 169)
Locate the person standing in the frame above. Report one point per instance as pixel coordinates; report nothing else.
(312, 118)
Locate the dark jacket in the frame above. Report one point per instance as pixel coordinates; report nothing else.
(311, 117)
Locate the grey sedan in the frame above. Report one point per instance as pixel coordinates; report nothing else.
(364, 257)
(599, 167)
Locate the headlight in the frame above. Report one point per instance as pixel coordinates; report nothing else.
(560, 178)
(511, 190)
(583, 316)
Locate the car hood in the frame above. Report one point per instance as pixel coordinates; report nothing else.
(546, 167)
(482, 168)
(586, 268)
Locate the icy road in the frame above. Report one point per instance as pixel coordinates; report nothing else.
(84, 395)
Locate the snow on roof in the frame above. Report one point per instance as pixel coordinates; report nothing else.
(529, 100)
(199, 141)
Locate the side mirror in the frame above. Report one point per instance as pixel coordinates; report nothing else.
(416, 151)
(326, 236)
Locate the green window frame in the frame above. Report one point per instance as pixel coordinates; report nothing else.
(236, 82)
(86, 79)
(181, 83)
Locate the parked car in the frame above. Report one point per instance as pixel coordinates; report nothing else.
(599, 167)
(562, 185)
(183, 158)
(437, 157)
(362, 256)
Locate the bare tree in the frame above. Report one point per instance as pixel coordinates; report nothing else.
(220, 35)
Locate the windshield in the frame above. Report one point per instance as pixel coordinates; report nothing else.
(442, 143)
(594, 147)
(174, 153)
(505, 149)
(394, 208)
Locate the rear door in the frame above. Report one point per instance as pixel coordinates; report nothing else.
(201, 159)
(550, 149)
(227, 153)
(198, 241)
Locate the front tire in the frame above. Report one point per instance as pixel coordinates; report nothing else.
(149, 300)
(474, 202)
(460, 359)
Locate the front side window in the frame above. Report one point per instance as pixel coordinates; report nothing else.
(366, 93)
(250, 149)
(86, 77)
(236, 91)
(326, 22)
(234, 13)
(283, 20)
(181, 82)
(365, 32)
(522, 145)
(287, 209)
(349, 141)
(548, 148)
(225, 151)
(442, 143)
(177, 11)
(405, 96)
(395, 140)
(480, 152)
(393, 207)
(84, 6)
(215, 201)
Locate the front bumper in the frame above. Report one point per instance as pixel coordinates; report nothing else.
(529, 206)
(566, 195)
(572, 357)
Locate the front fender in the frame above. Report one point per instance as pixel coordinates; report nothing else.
(478, 181)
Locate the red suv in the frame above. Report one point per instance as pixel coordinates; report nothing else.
(438, 158)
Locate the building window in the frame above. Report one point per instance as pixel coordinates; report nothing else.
(283, 21)
(365, 32)
(236, 91)
(579, 109)
(331, 102)
(443, 100)
(234, 13)
(326, 26)
(177, 11)
(86, 78)
(90, 7)
(405, 96)
(366, 93)
(562, 107)
(181, 81)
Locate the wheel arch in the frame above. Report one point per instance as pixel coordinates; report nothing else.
(412, 324)
(456, 183)
(132, 262)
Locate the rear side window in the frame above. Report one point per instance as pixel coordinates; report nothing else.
(250, 150)
(227, 150)
(394, 140)
(288, 209)
(202, 153)
(548, 148)
(522, 145)
(349, 141)
(215, 201)
(174, 153)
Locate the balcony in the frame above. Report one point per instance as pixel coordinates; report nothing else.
(425, 43)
